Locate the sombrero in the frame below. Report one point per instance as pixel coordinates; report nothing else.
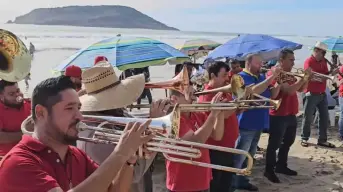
(105, 91)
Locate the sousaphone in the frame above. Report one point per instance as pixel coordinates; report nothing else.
(15, 58)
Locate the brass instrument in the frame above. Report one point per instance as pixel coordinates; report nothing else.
(179, 83)
(236, 104)
(236, 87)
(166, 141)
(315, 74)
(15, 58)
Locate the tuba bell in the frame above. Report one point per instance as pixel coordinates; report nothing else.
(15, 58)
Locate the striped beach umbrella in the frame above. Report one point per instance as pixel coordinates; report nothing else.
(197, 48)
(126, 53)
(334, 44)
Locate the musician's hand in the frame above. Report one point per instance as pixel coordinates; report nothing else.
(335, 71)
(308, 74)
(159, 108)
(218, 98)
(276, 71)
(248, 92)
(132, 138)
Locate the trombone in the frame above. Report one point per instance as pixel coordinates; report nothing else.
(166, 140)
(179, 83)
(237, 88)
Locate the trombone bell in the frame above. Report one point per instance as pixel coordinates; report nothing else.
(15, 59)
(179, 83)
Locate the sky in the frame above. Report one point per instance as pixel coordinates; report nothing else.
(289, 17)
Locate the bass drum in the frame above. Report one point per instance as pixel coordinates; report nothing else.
(15, 58)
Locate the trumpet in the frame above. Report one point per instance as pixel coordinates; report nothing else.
(15, 58)
(166, 140)
(315, 74)
(179, 83)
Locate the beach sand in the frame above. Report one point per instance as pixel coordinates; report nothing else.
(320, 169)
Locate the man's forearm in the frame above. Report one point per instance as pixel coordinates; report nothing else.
(290, 89)
(124, 181)
(218, 130)
(261, 87)
(102, 178)
(204, 132)
(10, 137)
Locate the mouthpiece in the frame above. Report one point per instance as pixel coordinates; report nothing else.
(19, 99)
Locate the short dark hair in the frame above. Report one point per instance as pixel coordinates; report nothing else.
(216, 67)
(47, 92)
(174, 92)
(4, 84)
(284, 53)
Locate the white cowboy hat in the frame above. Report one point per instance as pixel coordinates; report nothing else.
(320, 45)
(105, 91)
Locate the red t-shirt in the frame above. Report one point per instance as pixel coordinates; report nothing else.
(32, 166)
(319, 67)
(231, 131)
(184, 177)
(10, 121)
(340, 85)
(289, 102)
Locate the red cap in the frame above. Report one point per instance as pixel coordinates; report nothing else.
(73, 71)
(100, 58)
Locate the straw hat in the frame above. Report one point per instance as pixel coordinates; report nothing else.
(320, 45)
(105, 91)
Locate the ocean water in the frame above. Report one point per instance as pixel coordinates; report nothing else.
(56, 43)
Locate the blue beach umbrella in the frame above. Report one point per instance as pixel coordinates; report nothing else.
(126, 53)
(239, 47)
(334, 44)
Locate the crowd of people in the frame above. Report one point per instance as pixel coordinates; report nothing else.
(52, 159)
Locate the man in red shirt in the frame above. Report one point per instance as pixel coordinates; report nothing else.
(235, 68)
(74, 72)
(315, 97)
(46, 161)
(340, 122)
(221, 179)
(283, 121)
(196, 127)
(13, 111)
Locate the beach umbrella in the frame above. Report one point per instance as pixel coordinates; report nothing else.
(197, 48)
(334, 44)
(239, 47)
(126, 53)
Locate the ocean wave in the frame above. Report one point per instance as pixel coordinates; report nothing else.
(58, 48)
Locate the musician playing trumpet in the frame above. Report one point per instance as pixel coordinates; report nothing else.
(47, 161)
(196, 127)
(283, 121)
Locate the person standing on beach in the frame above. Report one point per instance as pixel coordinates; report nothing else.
(74, 72)
(283, 121)
(47, 161)
(252, 122)
(221, 179)
(315, 97)
(13, 111)
(195, 127)
(106, 95)
(146, 92)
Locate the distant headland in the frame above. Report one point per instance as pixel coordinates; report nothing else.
(111, 16)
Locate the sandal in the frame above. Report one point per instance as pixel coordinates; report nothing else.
(304, 143)
(326, 144)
